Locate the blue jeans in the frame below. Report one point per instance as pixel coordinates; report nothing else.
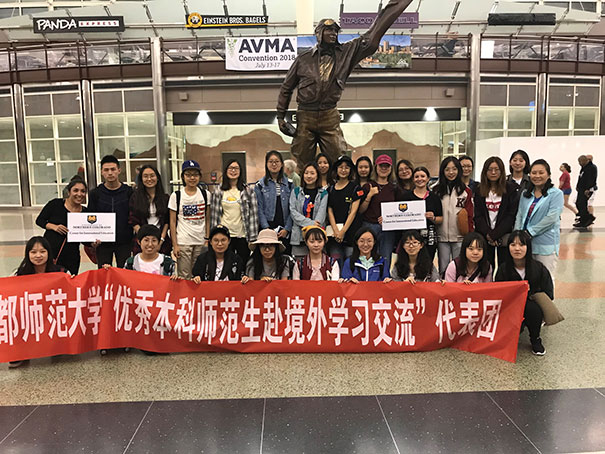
(387, 240)
(339, 251)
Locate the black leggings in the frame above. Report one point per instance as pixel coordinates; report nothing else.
(532, 317)
(240, 247)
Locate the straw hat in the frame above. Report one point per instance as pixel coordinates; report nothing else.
(267, 236)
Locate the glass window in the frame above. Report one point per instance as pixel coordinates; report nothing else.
(138, 100)
(490, 134)
(559, 133)
(585, 133)
(108, 101)
(587, 96)
(10, 195)
(586, 118)
(510, 133)
(561, 95)
(44, 172)
(141, 125)
(110, 125)
(522, 95)
(7, 129)
(141, 147)
(69, 126)
(33, 10)
(66, 103)
(6, 106)
(37, 105)
(69, 170)
(520, 119)
(8, 152)
(115, 147)
(41, 194)
(558, 118)
(9, 174)
(493, 95)
(41, 150)
(40, 127)
(71, 150)
(491, 118)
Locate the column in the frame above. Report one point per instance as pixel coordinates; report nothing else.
(89, 135)
(541, 104)
(21, 144)
(159, 107)
(474, 91)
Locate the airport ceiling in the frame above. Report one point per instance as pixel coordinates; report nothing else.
(166, 18)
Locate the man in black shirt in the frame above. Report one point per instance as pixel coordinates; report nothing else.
(112, 196)
(587, 182)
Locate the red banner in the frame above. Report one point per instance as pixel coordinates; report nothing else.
(53, 314)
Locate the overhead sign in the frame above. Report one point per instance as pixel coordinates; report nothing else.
(196, 20)
(260, 54)
(80, 24)
(365, 20)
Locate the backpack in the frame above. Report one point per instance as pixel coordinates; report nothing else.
(166, 264)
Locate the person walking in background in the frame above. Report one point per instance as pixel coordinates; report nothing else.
(273, 197)
(189, 224)
(539, 214)
(112, 196)
(587, 182)
(591, 199)
(234, 206)
(149, 205)
(53, 219)
(496, 203)
(565, 186)
(457, 206)
(290, 171)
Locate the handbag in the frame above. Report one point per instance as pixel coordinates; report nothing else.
(462, 221)
(552, 316)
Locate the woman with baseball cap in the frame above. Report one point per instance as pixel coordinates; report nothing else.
(219, 262)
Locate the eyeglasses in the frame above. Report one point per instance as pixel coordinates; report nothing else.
(191, 174)
(411, 244)
(148, 177)
(233, 169)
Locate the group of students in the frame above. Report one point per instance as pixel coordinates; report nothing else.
(328, 228)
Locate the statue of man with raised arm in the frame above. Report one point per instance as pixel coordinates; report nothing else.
(320, 75)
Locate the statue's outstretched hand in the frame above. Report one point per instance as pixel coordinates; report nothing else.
(285, 128)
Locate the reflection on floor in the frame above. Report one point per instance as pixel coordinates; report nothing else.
(401, 418)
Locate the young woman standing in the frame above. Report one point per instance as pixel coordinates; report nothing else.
(234, 205)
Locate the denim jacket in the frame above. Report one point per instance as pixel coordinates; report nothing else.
(320, 211)
(267, 196)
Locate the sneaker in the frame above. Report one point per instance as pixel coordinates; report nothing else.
(15, 364)
(537, 348)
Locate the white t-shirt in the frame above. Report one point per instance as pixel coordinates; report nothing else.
(153, 218)
(492, 202)
(521, 272)
(154, 267)
(219, 269)
(191, 219)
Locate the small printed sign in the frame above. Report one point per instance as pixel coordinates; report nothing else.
(79, 24)
(404, 215)
(197, 20)
(90, 227)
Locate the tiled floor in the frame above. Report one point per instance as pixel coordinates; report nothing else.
(476, 422)
(441, 401)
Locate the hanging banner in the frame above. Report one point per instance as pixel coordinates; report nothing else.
(54, 314)
(79, 24)
(197, 20)
(260, 54)
(365, 20)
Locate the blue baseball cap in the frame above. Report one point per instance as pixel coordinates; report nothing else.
(190, 165)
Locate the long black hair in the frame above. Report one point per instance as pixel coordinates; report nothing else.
(280, 175)
(423, 266)
(445, 186)
(329, 178)
(356, 252)
(369, 161)
(462, 262)
(525, 157)
(226, 184)
(27, 267)
(400, 182)
(529, 191)
(523, 237)
(303, 184)
(257, 261)
(140, 199)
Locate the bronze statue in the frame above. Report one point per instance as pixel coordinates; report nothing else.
(320, 75)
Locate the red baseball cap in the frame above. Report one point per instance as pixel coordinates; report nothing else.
(384, 159)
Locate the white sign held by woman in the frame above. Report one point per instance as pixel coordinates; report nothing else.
(403, 215)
